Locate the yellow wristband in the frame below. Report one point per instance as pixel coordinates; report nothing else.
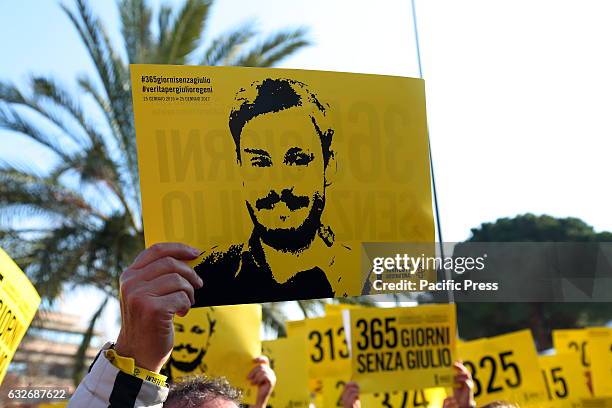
(128, 366)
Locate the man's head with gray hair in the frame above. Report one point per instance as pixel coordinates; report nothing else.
(203, 392)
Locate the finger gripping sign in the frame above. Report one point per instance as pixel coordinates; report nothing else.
(217, 341)
(398, 346)
(280, 175)
(504, 368)
(18, 304)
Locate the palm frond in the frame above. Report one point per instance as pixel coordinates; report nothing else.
(275, 48)
(226, 47)
(56, 258)
(10, 94)
(113, 75)
(81, 355)
(273, 317)
(34, 194)
(163, 29)
(11, 119)
(136, 29)
(188, 27)
(51, 90)
(310, 308)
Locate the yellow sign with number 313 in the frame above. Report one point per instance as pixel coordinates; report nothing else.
(327, 350)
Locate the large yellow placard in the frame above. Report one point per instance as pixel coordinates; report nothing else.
(327, 349)
(391, 348)
(565, 385)
(287, 361)
(600, 356)
(217, 341)
(18, 304)
(279, 175)
(505, 368)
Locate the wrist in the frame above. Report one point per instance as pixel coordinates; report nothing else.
(152, 364)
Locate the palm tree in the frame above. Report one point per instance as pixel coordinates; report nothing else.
(88, 203)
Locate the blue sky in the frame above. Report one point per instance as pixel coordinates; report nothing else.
(519, 92)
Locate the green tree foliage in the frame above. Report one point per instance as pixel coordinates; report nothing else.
(488, 319)
(88, 203)
(532, 228)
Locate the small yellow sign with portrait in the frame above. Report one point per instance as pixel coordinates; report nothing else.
(407, 345)
(217, 341)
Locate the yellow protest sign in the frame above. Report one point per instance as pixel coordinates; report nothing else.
(331, 390)
(297, 328)
(564, 380)
(217, 341)
(327, 349)
(504, 367)
(428, 398)
(574, 341)
(600, 356)
(18, 304)
(280, 175)
(407, 345)
(287, 361)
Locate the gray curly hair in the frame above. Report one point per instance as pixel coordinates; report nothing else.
(193, 391)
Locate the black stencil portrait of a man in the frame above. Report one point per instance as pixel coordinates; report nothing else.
(283, 138)
(192, 338)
